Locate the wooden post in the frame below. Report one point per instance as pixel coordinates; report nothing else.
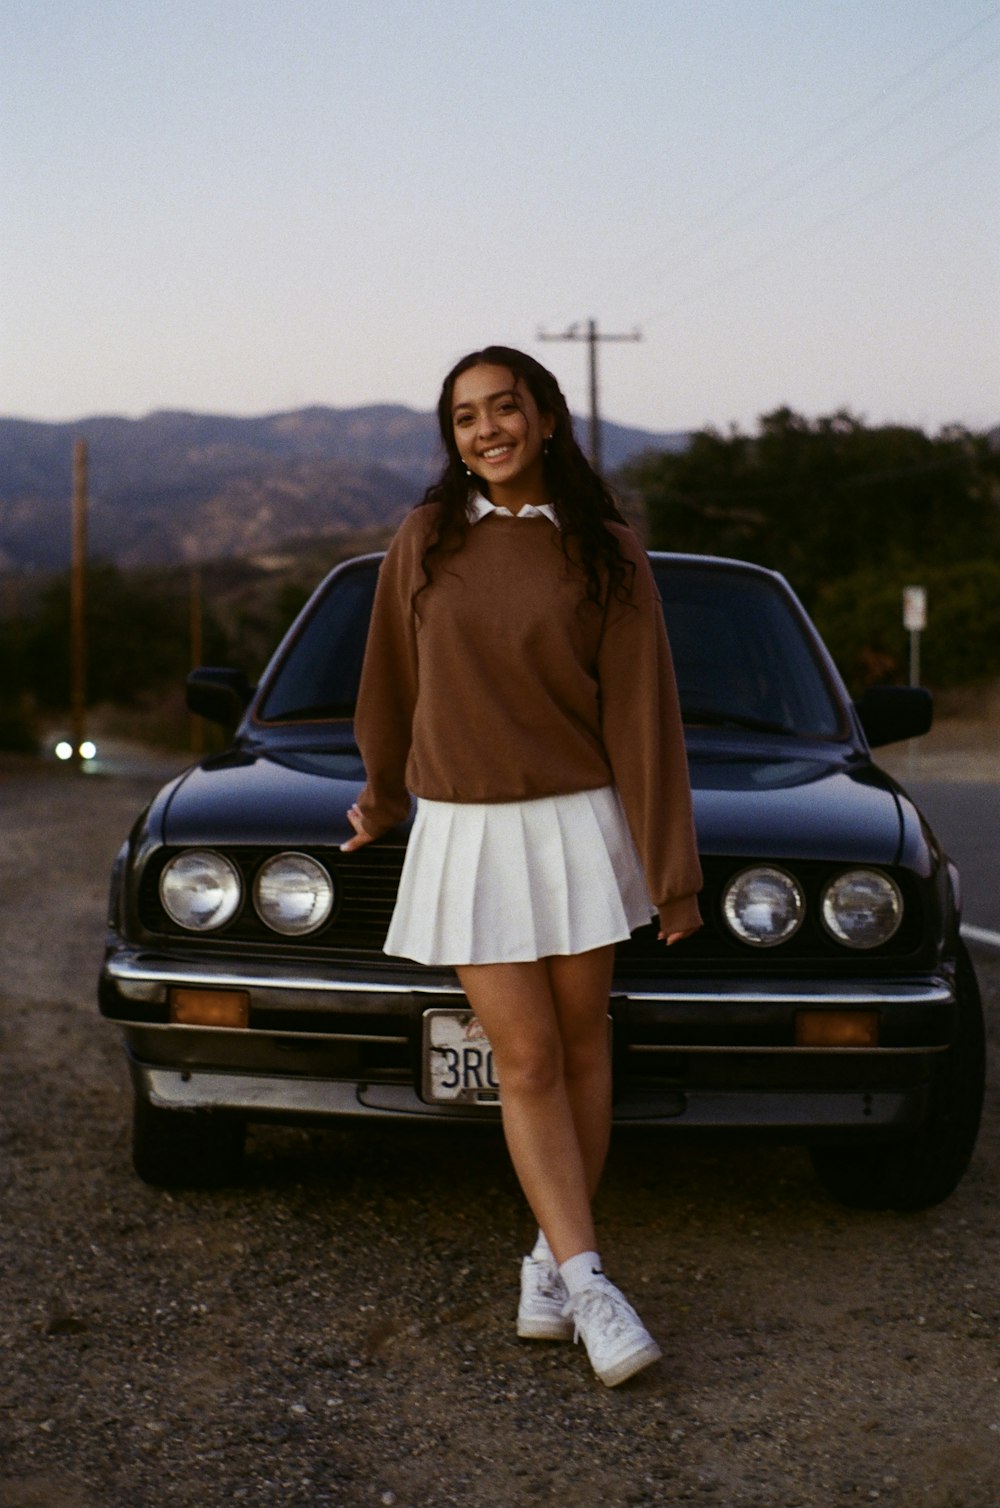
(591, 335)
(78, 602)
(197, 723)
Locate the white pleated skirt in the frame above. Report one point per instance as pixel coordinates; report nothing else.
(512, 881)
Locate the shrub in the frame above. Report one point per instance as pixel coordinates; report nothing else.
(861, 619)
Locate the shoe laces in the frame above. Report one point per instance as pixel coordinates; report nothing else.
(601, 1304)
(546, 1279)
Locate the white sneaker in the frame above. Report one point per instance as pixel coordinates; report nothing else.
(617, 1342)
(540, 1313)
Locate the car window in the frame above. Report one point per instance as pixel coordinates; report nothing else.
(741, 653)
(318, 675)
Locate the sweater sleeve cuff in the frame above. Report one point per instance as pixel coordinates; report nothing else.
(680, 915)
(379, 819)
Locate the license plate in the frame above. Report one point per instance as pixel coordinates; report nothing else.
(458, 1060)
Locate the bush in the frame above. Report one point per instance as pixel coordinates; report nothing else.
(861, 619)
(17, 731)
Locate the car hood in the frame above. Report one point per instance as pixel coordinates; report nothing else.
(289, 797)
(755, 804)
(813, 805)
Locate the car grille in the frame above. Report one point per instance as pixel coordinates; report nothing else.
(366, 883)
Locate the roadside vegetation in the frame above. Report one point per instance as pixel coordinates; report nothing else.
(849, 513)
(141, 637)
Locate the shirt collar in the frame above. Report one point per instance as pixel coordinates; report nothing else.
(480, 507)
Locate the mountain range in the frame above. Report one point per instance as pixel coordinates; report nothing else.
(175, 486)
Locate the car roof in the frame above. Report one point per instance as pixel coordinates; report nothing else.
(667, 557)
(727, 562)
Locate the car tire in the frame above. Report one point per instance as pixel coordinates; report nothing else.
(926, 1167)
(185, 1149)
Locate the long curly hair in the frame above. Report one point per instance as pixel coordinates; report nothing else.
(582, 502)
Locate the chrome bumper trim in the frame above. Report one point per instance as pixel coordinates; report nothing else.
(890, 994)
(125, 970)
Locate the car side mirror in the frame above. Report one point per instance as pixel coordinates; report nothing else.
(218, 693)
(891, 713)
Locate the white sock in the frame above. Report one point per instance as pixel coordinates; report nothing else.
(542, 1251)
(580, 1270)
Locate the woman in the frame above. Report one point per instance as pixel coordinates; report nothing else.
(517, 681)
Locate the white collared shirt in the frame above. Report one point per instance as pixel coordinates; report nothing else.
(480, 507)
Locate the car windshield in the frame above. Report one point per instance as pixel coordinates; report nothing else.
(742, 657)
(741, 654)
(319, 675)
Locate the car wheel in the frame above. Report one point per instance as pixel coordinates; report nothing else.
(182, 1148)
(927, 1166)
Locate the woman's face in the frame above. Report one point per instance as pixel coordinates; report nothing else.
(499, 428)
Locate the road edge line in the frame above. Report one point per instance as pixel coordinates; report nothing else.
(984, 935)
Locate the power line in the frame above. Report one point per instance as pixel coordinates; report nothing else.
(839, 156)
(591, 335)
(826, 220)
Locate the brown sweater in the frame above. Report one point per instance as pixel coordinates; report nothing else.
(505, 685)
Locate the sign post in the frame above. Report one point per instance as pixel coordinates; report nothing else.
(914, 621)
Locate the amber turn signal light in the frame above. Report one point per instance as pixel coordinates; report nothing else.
(210, 1007)
(836, 1029)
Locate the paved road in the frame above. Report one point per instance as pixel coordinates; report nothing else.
(966, 817)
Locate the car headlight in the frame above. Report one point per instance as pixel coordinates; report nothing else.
(293, 894)
(861, 908)
(763, 906)
(200, 890)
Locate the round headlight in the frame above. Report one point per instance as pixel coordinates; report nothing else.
(293, 894)
(763, 906)
(200, 890)
(862, 908)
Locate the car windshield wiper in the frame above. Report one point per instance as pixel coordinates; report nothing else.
(716, 717)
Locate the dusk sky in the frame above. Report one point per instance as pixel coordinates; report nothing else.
(243, 207)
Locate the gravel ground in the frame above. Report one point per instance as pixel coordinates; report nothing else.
(338, 1330)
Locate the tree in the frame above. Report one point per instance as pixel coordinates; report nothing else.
(137, 640)
(849, 514)
(822, 499)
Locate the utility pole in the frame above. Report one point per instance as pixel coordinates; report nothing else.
(77, 601)
(197, 653)
(591, 335)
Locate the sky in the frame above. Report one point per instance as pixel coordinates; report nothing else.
(249, 206)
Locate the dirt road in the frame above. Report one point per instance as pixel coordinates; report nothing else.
(338, 1331)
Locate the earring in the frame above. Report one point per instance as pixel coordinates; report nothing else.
(468, 472)
(545, 445)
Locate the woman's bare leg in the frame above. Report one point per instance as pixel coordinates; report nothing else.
(581, 985)
(556, 1136)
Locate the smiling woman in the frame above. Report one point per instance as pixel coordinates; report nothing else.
(501, 434)
(516, 604)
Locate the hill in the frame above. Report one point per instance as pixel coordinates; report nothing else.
(176, 486)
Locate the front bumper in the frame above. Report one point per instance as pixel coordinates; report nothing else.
(711, 1053)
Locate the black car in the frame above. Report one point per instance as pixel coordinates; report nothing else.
(828, 998)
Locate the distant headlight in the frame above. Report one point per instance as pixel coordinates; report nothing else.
(293, 894)
(763, 906)
(200, 890)
(862, 908)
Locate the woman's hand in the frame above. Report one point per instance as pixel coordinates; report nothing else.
(361, 837)
(675, 937)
